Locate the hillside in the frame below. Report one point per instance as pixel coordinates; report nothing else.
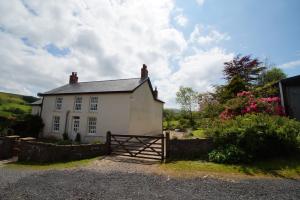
(14, 105)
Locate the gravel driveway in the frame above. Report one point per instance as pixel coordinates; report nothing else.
(111, 179)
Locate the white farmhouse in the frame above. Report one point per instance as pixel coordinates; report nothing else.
(123, 106)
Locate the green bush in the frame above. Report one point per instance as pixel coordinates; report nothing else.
(183, 124)
(258, 135)
(65, 136)
(29, 126)
(229, 154)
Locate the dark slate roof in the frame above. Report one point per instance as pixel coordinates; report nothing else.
(109, 86)
(294, 80)
(37, 103)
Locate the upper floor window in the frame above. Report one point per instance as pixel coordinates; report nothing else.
(55, 125)
(78, 103)
(58, 103)
(92, 121)
(93, 103)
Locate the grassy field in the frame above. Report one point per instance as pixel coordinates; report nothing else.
(283, 168)
(49, 166)
(12, 105)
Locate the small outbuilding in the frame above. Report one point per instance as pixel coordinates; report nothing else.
(290, 94)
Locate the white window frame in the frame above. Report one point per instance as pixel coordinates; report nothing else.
(56, 123)
(94, 103)
(77, 103)
(58, 103)
(92, 125)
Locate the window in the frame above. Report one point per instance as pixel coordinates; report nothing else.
(92, 121)
(78, 102)
(93, 103)
(56, 123)
(58, 103)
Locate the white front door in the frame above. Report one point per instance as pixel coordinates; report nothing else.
(75, 126)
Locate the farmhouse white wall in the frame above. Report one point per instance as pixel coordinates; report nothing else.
(145, 112)
(112, 115)
(35, 110)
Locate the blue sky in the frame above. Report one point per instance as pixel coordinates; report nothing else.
(183, 42)
(266, 29)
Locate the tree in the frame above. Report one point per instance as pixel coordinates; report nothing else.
(272, 75)
(245, 67)
(187, 98)
(205, 99)
(229, 91)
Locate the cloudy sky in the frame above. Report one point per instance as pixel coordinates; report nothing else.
(182, 42)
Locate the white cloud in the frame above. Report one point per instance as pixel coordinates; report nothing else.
(207, 35)
(181, 20)
(200, 2)
(106, 40)
(199, 71)
(290, 65)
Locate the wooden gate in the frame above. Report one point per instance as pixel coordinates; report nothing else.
(139, 146)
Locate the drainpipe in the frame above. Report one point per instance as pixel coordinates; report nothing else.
(66, 122)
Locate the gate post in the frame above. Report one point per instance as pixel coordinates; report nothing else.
(167, 144)
(108, 142)
(162, 147)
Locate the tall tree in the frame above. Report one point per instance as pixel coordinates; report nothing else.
(247, 68)
(187, 98)
(272, 75)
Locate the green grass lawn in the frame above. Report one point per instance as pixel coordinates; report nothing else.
(49, 166)
(284, 168)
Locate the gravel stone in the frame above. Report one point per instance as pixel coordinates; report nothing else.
(113, 179)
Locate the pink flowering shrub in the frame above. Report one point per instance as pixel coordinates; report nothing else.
(246, 102)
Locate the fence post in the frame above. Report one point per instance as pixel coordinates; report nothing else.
(167, 144)
(108, 142)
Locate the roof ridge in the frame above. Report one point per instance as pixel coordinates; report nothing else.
(108, 80)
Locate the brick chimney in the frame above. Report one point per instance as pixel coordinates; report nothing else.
(155, 92)
(144, 72)
(73, 78)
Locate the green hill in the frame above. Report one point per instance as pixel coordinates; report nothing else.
(14, 105)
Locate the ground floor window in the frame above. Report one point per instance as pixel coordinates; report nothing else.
(92, 122)
(56, 120)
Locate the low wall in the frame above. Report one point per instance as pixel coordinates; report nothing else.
(189, 148)
(7, 145)
(46, 152)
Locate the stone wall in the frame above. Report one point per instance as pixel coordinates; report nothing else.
(7, 145)
(189, 148)
(46, 152)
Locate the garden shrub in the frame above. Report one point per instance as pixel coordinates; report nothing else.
(245, 102)
(229, 154)
(29, 126)
(65, 136)
(258, 135)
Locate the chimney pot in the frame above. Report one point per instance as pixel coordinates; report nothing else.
(144, 72)
(73, 78)
(155, 92)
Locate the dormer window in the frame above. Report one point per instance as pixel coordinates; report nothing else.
(78, 103)
(58, 103)
(93, 104)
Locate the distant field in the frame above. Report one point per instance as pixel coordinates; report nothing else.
(13, 105)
